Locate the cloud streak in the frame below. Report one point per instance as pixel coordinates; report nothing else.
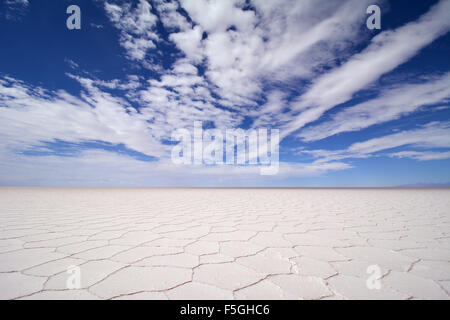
(391, 104)
(386, 51)
(434, 135)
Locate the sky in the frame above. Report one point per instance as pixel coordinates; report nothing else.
(98, 106)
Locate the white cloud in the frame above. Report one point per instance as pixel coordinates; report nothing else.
(189, 41)
(386, 51)
(170, 17)
(34, 116)
(19, 2)
(132, 83)
(136, 27)
(390, 105)
(421, 156)
(72, 64)
(182, 67)
(15, 10)
(266, 41)
(217, 15)
(249, 44)
(97, 168)
(434, 135)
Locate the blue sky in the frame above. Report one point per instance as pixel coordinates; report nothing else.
(97, 106)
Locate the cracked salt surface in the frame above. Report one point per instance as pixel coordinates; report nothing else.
(224, 243)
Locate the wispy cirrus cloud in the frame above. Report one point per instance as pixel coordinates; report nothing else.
(34, 115)
(421, 155)
(136, 25)
(386, 51)
(433, 135)
(99, 168)
(15, 9)
(391, 104)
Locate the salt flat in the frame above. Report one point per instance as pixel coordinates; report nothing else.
(225, 243)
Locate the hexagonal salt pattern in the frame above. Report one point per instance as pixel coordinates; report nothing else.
(224, 244)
